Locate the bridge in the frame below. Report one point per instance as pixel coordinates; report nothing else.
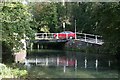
(88, 38)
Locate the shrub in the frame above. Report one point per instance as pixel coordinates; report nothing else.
(7, 72)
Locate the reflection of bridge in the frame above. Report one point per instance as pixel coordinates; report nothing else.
(59, 61)
(89, 38)
(62, 61)
(52, 61)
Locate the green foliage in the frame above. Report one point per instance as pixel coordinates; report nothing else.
(107, 16)
(45, 29)
(82, 13)
(91, 17)
(98, 18)
(46, 15)
(16, 21)
(7, 72)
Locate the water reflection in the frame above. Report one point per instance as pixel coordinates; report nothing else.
(51, 63)
(69, 59)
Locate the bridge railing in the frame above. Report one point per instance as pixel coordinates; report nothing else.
(47, 36)
(80, 36)
(44, 35)
(89, 37)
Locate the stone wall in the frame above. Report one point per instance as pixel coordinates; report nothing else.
(20, 56)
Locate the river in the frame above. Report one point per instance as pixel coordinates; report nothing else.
(70, 64)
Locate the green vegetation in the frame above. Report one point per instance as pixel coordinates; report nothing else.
(96, 18)
(8, 72)
(46, 16)
(19, 21)
(17, 24)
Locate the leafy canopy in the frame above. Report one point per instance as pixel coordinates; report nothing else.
(17, 23)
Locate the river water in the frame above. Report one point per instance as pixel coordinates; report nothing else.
(70, 64)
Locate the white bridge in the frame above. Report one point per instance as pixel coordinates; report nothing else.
(89, 38)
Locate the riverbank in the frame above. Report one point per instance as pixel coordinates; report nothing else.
(10, 72)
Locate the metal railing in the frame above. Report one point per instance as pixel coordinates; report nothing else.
(44, 35)
(90, 38)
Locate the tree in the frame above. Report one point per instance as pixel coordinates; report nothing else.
(82, 13)
(46, 16)
(17, 22)
(107, 16)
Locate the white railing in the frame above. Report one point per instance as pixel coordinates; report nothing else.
(90, 38)
(44, 35)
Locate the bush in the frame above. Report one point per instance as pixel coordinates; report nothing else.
(7, 72)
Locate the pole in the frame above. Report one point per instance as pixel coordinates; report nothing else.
(75, 29)
(64, 26)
